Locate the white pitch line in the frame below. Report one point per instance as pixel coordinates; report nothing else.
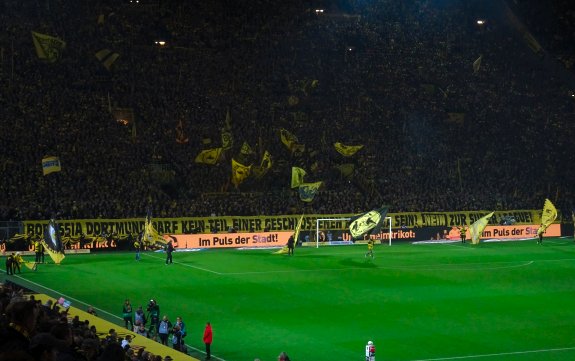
(188, 265)
(100, 310)
(497, 354)
(438, 266)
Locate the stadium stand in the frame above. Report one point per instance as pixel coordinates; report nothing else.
(395, 77)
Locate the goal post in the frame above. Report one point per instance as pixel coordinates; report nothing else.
(385, 230)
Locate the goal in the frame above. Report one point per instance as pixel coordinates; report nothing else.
(327, 224)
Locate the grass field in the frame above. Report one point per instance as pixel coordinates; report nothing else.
(495, 301)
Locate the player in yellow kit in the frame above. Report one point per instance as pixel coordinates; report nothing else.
(369, 249)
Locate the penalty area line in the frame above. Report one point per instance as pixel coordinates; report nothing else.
(187, 265)
(498, 354)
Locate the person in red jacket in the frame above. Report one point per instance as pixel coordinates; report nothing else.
(208, 340)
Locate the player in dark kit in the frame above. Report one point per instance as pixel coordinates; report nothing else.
(169, 250)
(290, 245)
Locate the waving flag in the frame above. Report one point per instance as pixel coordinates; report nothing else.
(48, 48)
(246, 149)
(150, 236)
(209, 156)
(107, 58)
(297, 175)
(370, 222)
(227, 139)
(547, 217)
(51, 165)
(239, 172)
(295, 237)
(477, 64)
(307, 191)
(264, 166)
(476, 229)
(53, 243)
(347, 150)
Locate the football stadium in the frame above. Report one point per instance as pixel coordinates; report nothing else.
(256, 180)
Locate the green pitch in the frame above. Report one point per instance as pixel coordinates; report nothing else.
(495, 301)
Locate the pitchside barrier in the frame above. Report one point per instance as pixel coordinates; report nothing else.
(203, 231)
(307, 238)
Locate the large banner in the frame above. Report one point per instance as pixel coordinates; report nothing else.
(190, 225)
(230, 240)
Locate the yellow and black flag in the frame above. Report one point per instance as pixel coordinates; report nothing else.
(53, 243)
(296, 233)
(48, 48)
(367, 223)
(209, 156)
(297, 175)
(548, 216)
(227, 139)
(51, 165)
(264, 167)
(151, 237)
(347, 150)
(246, 149)
(239, 172)
(307, 191)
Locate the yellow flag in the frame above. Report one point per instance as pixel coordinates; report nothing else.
(48, 48)
(30, 265)
(246, 149)
(264, 166)
(548, 216)
(477, 64)
(57, 257)
(107, 57)
(476, 229)
(239, 172)
(307, 191)
(297, 175)
(287, 138)
(347, 150)
(295, 236)
(266, 160)
(209, 156)
(346, 169)
(151, 237)
(51, 165)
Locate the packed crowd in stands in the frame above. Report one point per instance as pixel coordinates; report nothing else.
(394, 76)
(34, 331)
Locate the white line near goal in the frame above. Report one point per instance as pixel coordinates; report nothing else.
(386, 222)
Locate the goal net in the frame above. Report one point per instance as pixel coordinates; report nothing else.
(335, 231)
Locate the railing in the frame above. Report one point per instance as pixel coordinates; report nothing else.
(9, 229)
